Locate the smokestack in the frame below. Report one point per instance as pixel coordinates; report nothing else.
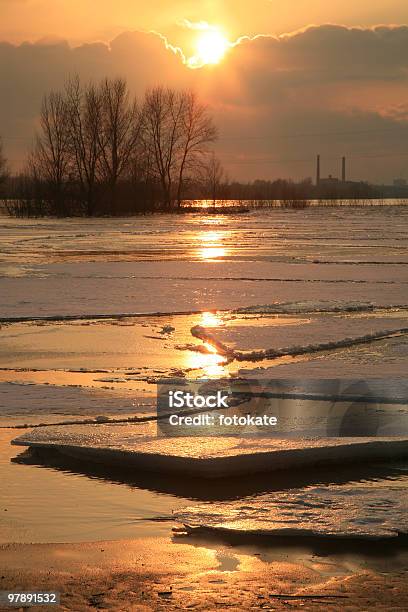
(343, 170)
(318, 171)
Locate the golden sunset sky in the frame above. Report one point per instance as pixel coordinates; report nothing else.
(285, 79)
(89, 20)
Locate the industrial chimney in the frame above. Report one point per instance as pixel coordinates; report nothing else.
(318, 170)
(343, 170)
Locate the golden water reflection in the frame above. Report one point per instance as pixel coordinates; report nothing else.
(212, 364)
(212, 245)
(210, 319)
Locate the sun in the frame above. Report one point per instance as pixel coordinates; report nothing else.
(211, 46)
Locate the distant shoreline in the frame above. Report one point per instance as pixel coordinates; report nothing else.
(232, 207)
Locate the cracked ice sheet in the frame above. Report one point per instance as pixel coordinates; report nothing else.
(117, 254)
(214, 270)
(60, 296)
(332, 234)
(130, 353)
(263, 334)
(38, 403)
(363, 510)
(139, 345)
(380, 359)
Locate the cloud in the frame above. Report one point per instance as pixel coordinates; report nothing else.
(328, 54)
(201, 26)
(27, 71)
(277, 99)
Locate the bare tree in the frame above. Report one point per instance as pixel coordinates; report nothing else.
(197, 132)
(213, 177)
(51, 155)
(159, 136)
(176, 131)
(85, 139)
(95, 143)
(119, 132)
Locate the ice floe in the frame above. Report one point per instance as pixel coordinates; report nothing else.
(252, 343)
(137, 446)
(334, 511)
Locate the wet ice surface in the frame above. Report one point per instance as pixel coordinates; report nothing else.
(34, 403)
(253, 340)
(361, 509)
(278, 261)
(335, 511)
(334, 235)
(296, 277)
(312, 263)
(260, 258)
(138, 445)
(264, 262)
(136, 346)
(65, 297)
(384, 358)
(132, 354)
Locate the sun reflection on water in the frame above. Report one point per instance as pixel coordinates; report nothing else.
(211, 245)
(210, 319)
(212, 364)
